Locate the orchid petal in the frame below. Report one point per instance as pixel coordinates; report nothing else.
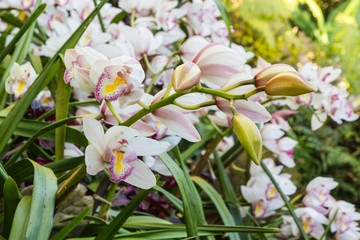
(178, 124)
(93, 161)
(94, 133)
(141, 176)
(146, 146)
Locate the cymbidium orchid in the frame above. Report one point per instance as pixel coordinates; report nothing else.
(214, 71)
(311, 220)
(20, 79)
(261, 192)
(78, 62)
(282, 147)
(346, 221)
(318, 194)
(116, 77)
(118, 150)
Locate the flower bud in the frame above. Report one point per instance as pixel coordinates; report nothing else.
(185, 77)
(248, 135)
(262, 77)
(288, 84)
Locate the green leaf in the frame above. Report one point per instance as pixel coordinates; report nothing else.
(63, 92)
(225, 17)
(228, 191)
(70, 226)
(196, 199)
(219, 203)
(108, 232)
(37, 135)
(209, 228)
(11, 200)
(21, 219)
(27, 128)
(119, 17)
(42, 204)
(34, 215)
(9, 124)
(186, 194)
(177, 202)
(22, 30)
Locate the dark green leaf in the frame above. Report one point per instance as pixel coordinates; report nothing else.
(11, 200)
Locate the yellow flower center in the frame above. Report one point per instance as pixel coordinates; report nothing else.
(272, 192)
(112, 87)
(20, 87)
(119, 156)
(306, 225)
(258, 209)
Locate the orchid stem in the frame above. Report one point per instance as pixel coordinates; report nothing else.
(132, 19)
(239, 84)
(110, 106)
(196, 106)
(168, 90)
(147, 63)
(288, 205)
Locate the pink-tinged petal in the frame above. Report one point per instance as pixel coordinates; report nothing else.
(178, 124)
(130, 98)
(286, 143)
(271, 131)
(94, 133)
(191, 46)
(253, 110)
(158, 96)
(317, 120)
(121, 164)
(144, 129)
(112, 83)
(119, 132)
(141, 176)
(69, 57)
(93, 160)
(146, 146)
(27, 4)
(157, 165)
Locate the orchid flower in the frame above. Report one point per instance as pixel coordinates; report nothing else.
(345, 223)
(311, 220)
(20, 79)
(118, 150)
(318, 194)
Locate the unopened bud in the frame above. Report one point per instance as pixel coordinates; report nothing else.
(248, 135)
(185, 77)
(288, 84)
(264, 76)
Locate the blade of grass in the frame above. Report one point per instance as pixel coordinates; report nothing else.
(35, 136)
(225, 17)
(11, 200)
(21, 219)
(71, 225)
(177, 202)
(14, 117)
(108, 232)
(219, 203)
(63, 92)
(22, 30)
(186, 194)
(288, 205)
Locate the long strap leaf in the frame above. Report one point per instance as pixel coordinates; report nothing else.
(14, 117)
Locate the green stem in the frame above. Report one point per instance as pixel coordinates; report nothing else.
(109, 197)
(239, 84)
(111, 108)
(61, 111)
(168, 90)
(288, 205)
(132, 19)
(100, 19)
(196, 106)
(147, 63)
(3, 173)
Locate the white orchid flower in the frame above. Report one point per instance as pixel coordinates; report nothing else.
(20, 79)
(118, 150)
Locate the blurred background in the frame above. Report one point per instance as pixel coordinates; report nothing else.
(328, 34)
